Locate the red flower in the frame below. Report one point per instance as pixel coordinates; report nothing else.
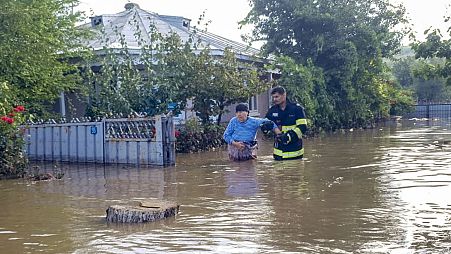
(177, 133)
(7, 119)
(19, 108)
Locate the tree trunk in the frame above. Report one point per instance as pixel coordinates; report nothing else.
(218, 122)
(146, 211)
(221, 108)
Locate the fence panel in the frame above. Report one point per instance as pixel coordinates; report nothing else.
(67, 142)
(126, 140)
(439, 110)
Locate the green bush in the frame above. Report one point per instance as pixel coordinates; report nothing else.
(13, 160)
(194, 137)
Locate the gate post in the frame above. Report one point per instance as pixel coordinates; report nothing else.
(170, 141)
(167, 138)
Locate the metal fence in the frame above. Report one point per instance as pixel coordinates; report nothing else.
(442, 110)
(141, 141)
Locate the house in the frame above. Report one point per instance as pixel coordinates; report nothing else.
(108, 27)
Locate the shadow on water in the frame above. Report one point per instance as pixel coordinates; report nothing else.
(384, 190)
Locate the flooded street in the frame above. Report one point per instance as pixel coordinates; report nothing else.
(385, 190)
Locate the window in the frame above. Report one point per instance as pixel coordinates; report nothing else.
(253, 103)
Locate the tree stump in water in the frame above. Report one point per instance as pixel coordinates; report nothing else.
(146, 211)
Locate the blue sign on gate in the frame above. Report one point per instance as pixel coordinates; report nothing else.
(172, 105)
(93, 130)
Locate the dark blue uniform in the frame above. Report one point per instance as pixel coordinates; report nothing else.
(291, 120)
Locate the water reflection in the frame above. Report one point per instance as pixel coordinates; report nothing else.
(417, 171)
(241, 179)
(384, 190)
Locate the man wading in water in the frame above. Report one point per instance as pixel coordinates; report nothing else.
(241, 132)
(290, 119)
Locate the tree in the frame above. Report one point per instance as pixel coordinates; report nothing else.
(306, 29)
(435, 46)
(403, 71)
(169, 71)
(345, 40)
(306, 85)
(37, 41)
(220, 82)
(419, 76)
(432, 90)
(143, 83)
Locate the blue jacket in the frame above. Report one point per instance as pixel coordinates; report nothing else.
(243, 131)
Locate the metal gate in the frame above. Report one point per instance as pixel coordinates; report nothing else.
(437, 110)
(141, 141)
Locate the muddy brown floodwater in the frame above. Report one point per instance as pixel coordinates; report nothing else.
(385, 190)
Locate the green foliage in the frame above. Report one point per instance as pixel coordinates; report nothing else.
(336, 49)
(122, 86)
(13, 160)
(401, 100)
(220, 82)
(305, 84)
(432, 90)
(419, 76)
(308, 29)
(168, 70)
(435, 46)
(428, 85)
(8, 98)
(403, 71)
(37, 41)
(193, 125)
(194, 137)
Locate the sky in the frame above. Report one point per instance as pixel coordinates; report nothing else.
(225, 15)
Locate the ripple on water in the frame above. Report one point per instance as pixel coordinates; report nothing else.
(417, 173)
(374, 191)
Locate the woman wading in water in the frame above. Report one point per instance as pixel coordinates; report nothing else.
(241, 133)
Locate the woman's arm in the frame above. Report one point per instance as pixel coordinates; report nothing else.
(228, 132)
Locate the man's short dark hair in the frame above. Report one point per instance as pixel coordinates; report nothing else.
(278, 89)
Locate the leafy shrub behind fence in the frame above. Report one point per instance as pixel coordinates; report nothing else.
(13, 160)
(194, 137)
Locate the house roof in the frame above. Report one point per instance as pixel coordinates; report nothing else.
(108, 29)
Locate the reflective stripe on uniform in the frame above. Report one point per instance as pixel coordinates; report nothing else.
(287, 155)
(294, 128)
(288, 127)
(301, 121)
(298, 132)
